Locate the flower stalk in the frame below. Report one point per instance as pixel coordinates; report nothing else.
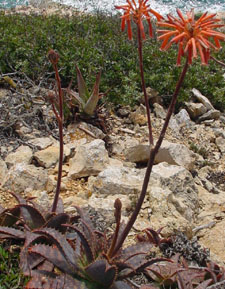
(151, 141)
(153, 153)
(53, 58)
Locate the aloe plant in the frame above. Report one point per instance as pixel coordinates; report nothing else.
(85, 256)
(87, 100)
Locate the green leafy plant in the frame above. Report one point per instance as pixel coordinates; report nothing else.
(86, 100)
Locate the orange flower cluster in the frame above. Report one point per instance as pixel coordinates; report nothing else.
(137, 13)
(192, 36)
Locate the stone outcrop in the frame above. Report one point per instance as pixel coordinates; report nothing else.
(90, 159)
(23, 177)
(23, 154)
(175, 154)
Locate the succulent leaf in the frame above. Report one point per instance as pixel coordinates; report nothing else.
(44, 280)
(102, 272)
(92, 102)
(10, 216)
(85, 243)
(56, 222)
(60, 241)
(120, 285)
(32, 217)
(54, 256)
(29, 261)
(6, 232)
(82, 88)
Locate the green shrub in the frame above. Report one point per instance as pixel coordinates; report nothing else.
(95, 42)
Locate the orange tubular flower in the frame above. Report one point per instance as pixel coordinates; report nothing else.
(192, 36)
(131, 11)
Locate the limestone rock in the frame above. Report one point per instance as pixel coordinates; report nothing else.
(195, 109)
(210, 115)
(183, 118)
(117, 180)
(139, 116)
(214, 239)
(107, 203)
(22, 155)
(159, 111)
(22, 177)
(138, 154)
(174, 126)
(220, 142)
(41, 142)
(93, 129)
(121, 144)
(90, 159)
(3, 170)
(201, 98)
(50, 156)
(175, 154)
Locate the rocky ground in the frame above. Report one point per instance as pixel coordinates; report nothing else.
(187, 187)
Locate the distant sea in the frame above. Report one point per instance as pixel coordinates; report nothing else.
(163, 6)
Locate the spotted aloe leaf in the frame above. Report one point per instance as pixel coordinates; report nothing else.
(44, 280)
(87, 245)
(102, 272)
(9, 217)
(56, 222)
(53, 255)
(6, 232)
(120, 285)
(62, 244)
(31, 216)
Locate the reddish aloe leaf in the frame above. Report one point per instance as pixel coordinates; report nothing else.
(85, 217)
(92, 102)
(102, 272)
(60, 241)
(44, 281)
(56, 222)
(29, 261)
(86, 245)
(11, 233)
(32, 217)
(120, 285)
(54, 256)
(138, 248)
(10, 216)
(149, 287)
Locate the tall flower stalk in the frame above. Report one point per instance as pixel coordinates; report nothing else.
(54, 58)
(188, 34)
(137, 14)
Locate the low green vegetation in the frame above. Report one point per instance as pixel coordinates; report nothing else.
(95, 42)
(10, 273)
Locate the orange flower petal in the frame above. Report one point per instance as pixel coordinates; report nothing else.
(179, 37)
(129, 30)
(194, 47)
(201, 53)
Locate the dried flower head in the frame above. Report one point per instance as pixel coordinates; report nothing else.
(137, 13)
(192, 36)
(53, 56)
